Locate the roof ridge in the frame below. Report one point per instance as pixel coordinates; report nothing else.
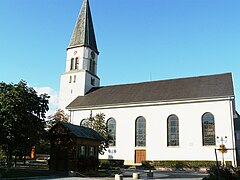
(171, 79)
(217, 85)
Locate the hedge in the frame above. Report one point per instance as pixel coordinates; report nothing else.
(180, 164)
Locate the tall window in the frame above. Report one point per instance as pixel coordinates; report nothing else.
(140, 132)
(92, 66)
(72, 64)
(172, 131)
(111, 124)
(76, 63)
(208, 129)
(84, 123)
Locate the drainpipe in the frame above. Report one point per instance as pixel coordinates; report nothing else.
(232, 129)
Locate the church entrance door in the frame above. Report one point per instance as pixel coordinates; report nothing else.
(140, 155)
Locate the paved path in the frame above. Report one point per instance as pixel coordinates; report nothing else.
(127, 175)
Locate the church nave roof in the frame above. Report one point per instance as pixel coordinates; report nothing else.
(212, 86)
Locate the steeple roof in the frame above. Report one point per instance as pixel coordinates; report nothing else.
(83, 34)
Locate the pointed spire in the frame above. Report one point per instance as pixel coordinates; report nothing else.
(83, 34)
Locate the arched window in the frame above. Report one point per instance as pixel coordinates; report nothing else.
(172, 131)
(84, 123)
(140, 132)
(208, 129)
(111, 124)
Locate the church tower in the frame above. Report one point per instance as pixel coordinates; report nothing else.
(81, 64)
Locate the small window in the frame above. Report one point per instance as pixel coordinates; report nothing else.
(74, 78)
(208, 129)
(91, 151)
(172, 131)
(92, 81)
(70, 79)
(76, 63)
(81, 151)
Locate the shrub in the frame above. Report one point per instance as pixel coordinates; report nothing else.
(105, 164)
(223, 172)
(181, 164)
(111, 163)
(147, 165)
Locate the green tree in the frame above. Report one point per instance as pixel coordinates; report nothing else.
(58, 116)
(44, 146)
(22, 117)
(98, 124)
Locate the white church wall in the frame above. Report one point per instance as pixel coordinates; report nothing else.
(71, 86)
(76, 82)
(89, 84)
(74, 53)
(190, 130)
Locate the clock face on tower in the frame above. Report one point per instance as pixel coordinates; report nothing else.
(92, 55)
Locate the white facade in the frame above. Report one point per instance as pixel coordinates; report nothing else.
(80, 75)
(156, 115)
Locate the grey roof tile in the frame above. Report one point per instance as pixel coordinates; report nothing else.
(219, 85)
(83, 132)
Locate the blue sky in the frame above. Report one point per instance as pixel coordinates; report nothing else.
(138, 40)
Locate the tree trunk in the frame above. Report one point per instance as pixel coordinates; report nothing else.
(9, 158)
(24, 159)
(15, 161)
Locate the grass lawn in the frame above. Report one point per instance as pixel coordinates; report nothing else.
(22, 173)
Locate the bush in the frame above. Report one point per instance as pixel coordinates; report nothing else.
(181, 164)
(105, 165)
(224, 173)
(147, 165)
(111, 163)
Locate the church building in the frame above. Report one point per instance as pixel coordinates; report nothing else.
(177, 119)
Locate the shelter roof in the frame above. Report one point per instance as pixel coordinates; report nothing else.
(83, 132)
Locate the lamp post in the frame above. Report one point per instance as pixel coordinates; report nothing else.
(222, 147)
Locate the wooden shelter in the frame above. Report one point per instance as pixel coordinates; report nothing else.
(73, 148)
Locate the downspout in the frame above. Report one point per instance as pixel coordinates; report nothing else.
(233, 131)
(70, 116)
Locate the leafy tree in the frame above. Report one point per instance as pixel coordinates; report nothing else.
(22, 117)
(44, 146)
(98, 124)
(58, 116)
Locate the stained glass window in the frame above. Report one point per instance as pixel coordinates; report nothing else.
(172, 131)
(111, 123)
(140, 132)
(208, 129)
